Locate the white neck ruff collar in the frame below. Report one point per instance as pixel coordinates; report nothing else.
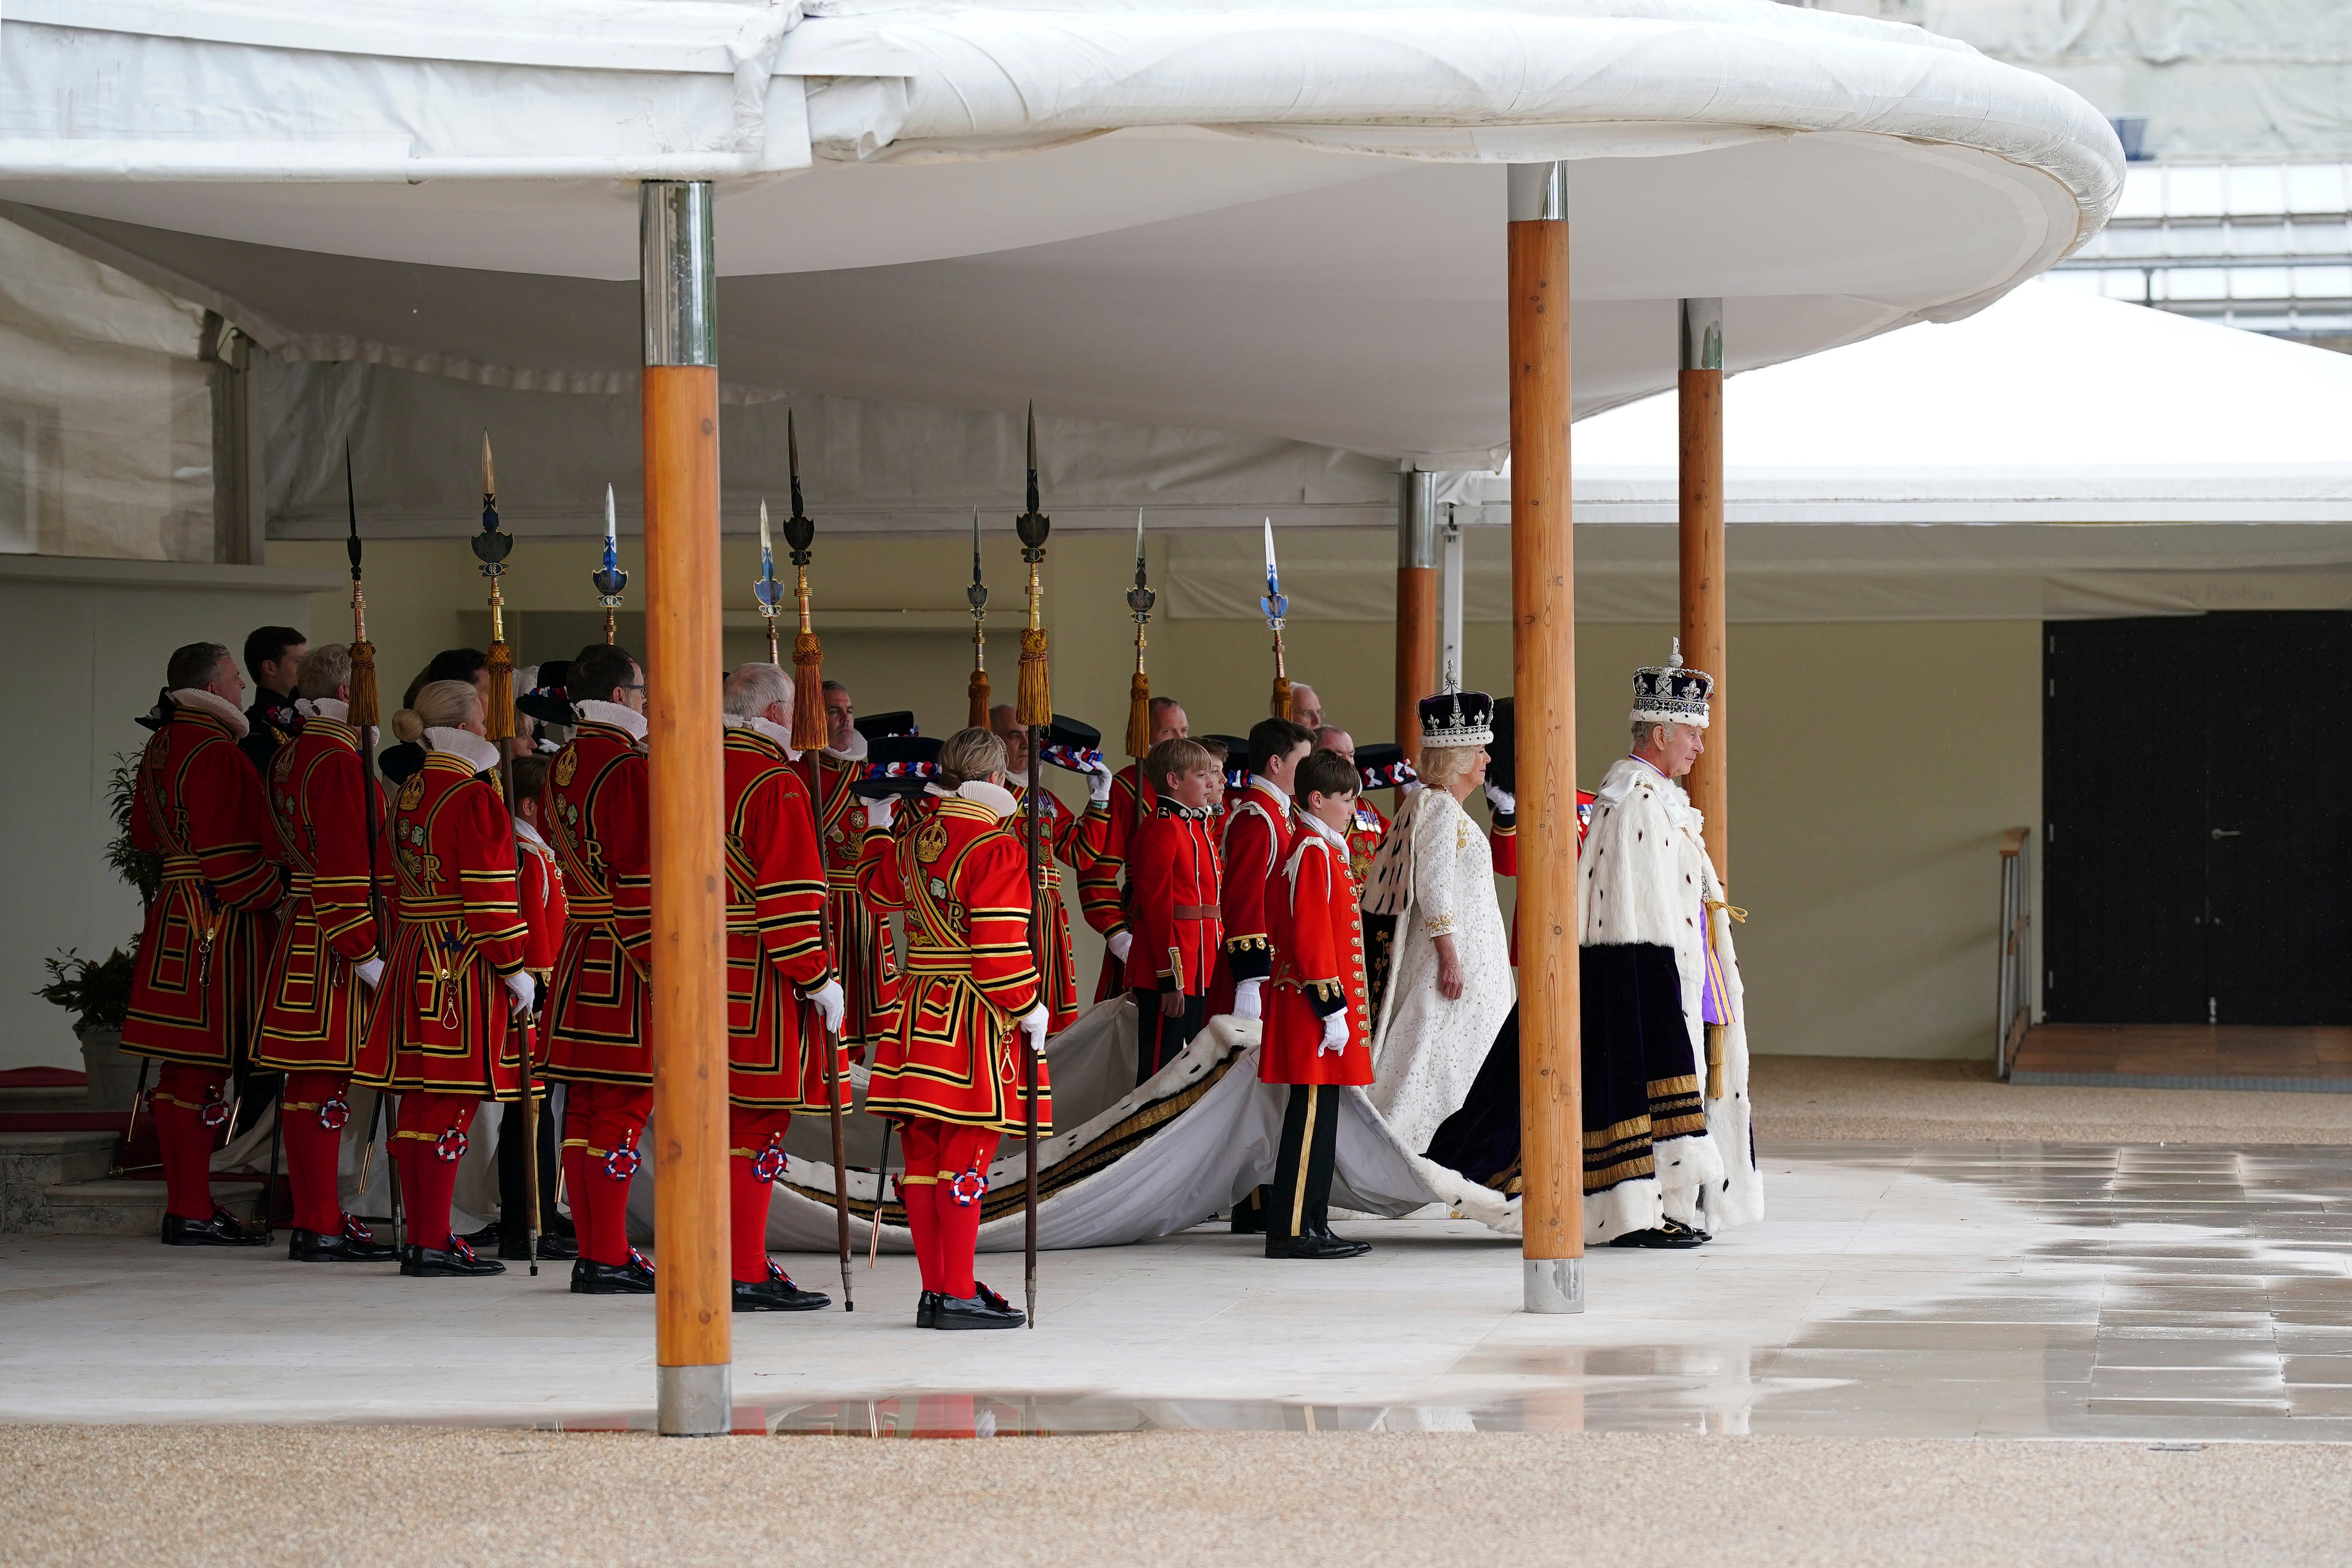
(212, 702)
(596, 710)
(333, 708)
(996, 798)
(463, 744)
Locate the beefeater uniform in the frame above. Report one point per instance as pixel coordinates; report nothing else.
(951, 1074)
(1058, 833)
(776, 959)
(1105, 837)
(1365, 831)
(195, 991)
(316, 1005)
(443, 1035)
(1174, 910)
(861, 942)
(593, 813)
(1318, 973)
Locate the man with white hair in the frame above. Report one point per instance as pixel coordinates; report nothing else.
(784, 1002)
(1305, 707)
(1667, 1155)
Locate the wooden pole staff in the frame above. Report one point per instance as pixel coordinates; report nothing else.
(809, 737)
(1705, 645)
(1543, 669)
(492, 545)
(1277, 604)
(976, 690)
(694, 1297)
(1036, 711)
(364, 716)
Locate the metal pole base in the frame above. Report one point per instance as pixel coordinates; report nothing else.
(1554, 1285)
(694, 1401)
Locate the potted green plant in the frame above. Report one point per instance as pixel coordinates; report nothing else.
(97, 991)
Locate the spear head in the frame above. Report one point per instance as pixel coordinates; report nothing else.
(1276, 603)
(1032, 525)
(1140, 598)
(800, 532)
(492, 544)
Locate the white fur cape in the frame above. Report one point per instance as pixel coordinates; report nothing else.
(1644, 877)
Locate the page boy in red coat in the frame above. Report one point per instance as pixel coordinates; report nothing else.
(1318, 1029)
(1173, 881)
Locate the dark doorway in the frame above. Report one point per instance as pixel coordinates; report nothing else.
(2196, 823)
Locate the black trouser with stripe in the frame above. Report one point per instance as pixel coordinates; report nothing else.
(1161, 1040)
(1301, 1199)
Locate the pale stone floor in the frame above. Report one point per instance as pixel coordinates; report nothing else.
(2186, 1293)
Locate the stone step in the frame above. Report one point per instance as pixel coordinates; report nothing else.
(14, 1098)
(120, 1205)
(32, 1162)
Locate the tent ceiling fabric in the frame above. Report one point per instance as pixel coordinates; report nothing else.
(1281, 221)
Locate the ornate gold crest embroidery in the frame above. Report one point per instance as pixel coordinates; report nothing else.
(931, 841)
(412, 791)
(566, 766)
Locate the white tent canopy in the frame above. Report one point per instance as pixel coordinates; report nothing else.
(1278, 222)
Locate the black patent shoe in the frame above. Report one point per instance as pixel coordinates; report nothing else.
(993, 1297)
(640, 1266)
(1671, 1237)
(927, 1309)
(487, 1236)
(353, 1244)
(459, 1263)
(1315, 1246)
(974, 1312)
(777, 1293)
(224, 1229)
(553, 1248)
(590, 1278)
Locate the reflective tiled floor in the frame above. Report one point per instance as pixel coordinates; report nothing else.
(2184, 1293)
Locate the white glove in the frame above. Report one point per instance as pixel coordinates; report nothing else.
(522, 994)
(1335, 1034)
(1033, 1024)
(830, 1006)
(877, 811)
(1246, 999)
(1098, 783)
(370, 971)
(1502, 800)
(1119, 942)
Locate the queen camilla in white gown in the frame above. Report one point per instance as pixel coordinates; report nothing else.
(1435, 873)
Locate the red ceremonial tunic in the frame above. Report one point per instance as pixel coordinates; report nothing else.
(1259, 829)
(195, 991)
(1173, 902)
(315, 1008)
(861, 943)
(1057, 836)
(443, 1022)
(1105, 835)
(961, 880)
(1318, 968)
(775, 933)
(544, 908)
(592, 811)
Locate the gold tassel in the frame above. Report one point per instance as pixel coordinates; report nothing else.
(1139, 715)
(1281, 708)
(497, 700)
(363, 710)
(1036, 701)
(977, 689)
(809, 730)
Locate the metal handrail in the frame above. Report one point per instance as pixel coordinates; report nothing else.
(2013, 1010)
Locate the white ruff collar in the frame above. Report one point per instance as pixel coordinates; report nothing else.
(854, 753)
(996, 798)
(530, 834)
(212, 702)
(333, 708)
(596, 710)
(464, 745)
(767, 727)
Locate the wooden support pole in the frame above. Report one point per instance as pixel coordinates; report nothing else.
(1417, 612)
(1543, 675)
(689, 1025)
(1703, 638)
